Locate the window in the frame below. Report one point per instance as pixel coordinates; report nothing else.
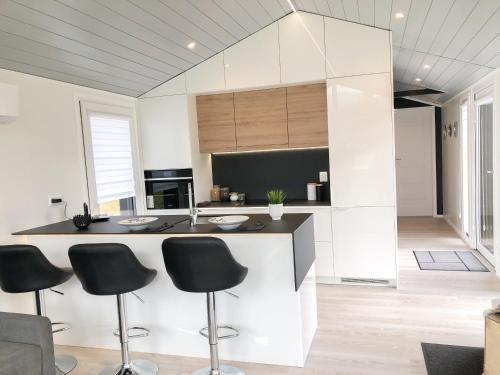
(109, 145)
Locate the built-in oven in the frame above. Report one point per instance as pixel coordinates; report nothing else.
(167, 189)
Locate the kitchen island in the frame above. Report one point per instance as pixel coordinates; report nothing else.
(274, 308)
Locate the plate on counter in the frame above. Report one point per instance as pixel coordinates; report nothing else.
(138, 223)
(228, 222)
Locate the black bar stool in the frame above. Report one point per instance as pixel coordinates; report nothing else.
(106, 269)
(23, 269)
(204, 265)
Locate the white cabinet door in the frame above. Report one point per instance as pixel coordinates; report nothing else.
(302, 48)
(207, 76)
(164, 126)
(176, 86)
(364, 242)
(353, 49)
(361, 138)
(254, 62)
(324, 259)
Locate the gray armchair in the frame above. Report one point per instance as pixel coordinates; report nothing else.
(26, 345)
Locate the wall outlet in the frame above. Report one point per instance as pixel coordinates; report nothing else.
(55, 200)
(323, 176)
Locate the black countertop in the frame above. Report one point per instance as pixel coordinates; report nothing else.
(297, 203)
(288, 224)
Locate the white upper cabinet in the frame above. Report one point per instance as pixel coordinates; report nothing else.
(176, 86)
(353, 49)
(206, 77)
(302, 48)
(361, 138)
(254, 62)
(164, 126)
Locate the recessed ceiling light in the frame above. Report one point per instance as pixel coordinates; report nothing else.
(427, 66)
(399, 15)
(418, 79)
(191, 45)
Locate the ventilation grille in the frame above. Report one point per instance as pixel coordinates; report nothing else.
(364, 281)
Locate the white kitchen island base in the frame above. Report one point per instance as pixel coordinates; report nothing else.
(276, 323)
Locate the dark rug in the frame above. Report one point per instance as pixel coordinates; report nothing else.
(453, 360)
(449, 261)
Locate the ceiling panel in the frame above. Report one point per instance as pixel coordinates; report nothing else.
(366, 10)
(323, 7)
(416, 19)
(455, 19)
(383, 13)
(351, 10)
(472, 26)
(131, 46)
(336, 9)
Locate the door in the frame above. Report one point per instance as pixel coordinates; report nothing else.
(261, 119)
(216, 126)
(307, 115)
(484, 175)
(414, 128)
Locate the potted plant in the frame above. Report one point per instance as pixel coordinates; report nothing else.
(276, 198)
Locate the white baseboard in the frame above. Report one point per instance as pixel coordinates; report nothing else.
(458, 231)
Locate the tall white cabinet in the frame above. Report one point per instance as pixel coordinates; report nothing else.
(362, 161)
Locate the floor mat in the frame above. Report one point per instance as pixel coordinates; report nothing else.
(449, 261)
(453, 360)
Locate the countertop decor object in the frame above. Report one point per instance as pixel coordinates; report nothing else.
(83, 221)
(229, 222)
(224, 194)
(233, 197)
(276, 198)
(138, 223)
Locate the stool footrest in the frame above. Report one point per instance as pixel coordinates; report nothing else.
(131, 335)
(235, 332)
(63, 327)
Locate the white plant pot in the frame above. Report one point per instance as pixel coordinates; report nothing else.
(276, 211)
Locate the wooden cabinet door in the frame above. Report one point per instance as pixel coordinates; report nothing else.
(307, 115)
(261, 119)
(216, 126)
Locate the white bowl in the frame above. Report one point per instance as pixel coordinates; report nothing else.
(137, 223)
(228, 222)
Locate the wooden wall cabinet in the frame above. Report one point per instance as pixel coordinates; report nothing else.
(286, 117)
(261, 119)
(307, 116)
(216, 125)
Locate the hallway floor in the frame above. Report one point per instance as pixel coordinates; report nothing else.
(372, 330)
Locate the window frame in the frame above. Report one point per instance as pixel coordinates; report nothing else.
(113, 110)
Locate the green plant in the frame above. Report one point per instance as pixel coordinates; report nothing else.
(276, 196)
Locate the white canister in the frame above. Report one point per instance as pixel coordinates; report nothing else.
(311, 191)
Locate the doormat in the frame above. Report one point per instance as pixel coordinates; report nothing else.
(449, 261)
(453, 360)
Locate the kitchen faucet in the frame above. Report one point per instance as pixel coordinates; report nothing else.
(193, 211)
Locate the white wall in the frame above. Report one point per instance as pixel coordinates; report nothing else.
(452, 185)
(41, 153)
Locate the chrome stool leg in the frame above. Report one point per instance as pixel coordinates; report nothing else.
(128, 367)
(213, 340)
(64, 363)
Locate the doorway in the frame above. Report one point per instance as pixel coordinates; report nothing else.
(415, 161)
(484, 175)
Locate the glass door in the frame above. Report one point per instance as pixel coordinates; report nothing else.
(484, 175)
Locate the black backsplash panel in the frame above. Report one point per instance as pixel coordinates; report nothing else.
(254, 173)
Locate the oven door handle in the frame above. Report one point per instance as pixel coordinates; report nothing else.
(168, 179)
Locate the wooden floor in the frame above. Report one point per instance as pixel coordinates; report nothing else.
(372, 330)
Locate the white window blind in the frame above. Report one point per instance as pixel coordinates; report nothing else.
(112, 156)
